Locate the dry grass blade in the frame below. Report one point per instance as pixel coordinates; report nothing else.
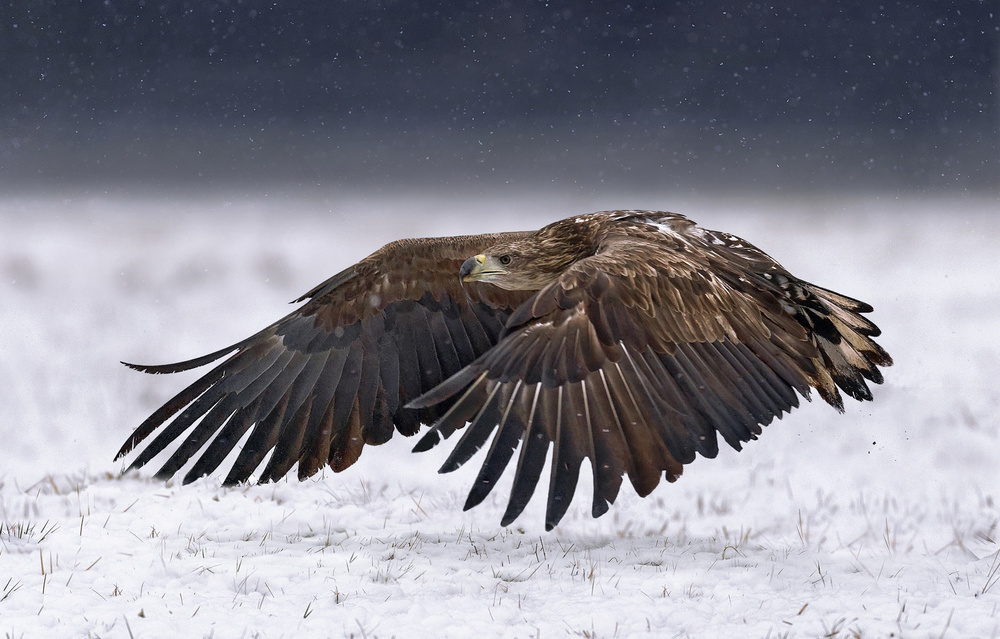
(9, 589)
(993, 575)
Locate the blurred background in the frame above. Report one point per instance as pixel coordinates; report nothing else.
(173, 173)
(682, 97)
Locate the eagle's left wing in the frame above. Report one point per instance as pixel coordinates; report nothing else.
(638, 355)
(334, 375)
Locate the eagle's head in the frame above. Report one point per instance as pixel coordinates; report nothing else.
(532, 263)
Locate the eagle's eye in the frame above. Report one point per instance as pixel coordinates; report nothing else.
(504, 259)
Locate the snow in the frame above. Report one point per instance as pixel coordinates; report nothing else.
(878, 522)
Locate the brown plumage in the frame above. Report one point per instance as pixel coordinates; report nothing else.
(627, 338)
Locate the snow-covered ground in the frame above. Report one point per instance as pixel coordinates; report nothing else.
(880, 522)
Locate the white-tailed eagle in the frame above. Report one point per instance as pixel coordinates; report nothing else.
(631, 339)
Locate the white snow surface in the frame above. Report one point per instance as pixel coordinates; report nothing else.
(881, 522)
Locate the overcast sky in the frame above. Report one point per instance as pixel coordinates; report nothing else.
(896, 96)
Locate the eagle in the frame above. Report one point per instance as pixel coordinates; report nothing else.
(631, 339)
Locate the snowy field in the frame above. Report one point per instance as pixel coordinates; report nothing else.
(881, 522)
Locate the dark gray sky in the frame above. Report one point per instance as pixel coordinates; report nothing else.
(897, 95)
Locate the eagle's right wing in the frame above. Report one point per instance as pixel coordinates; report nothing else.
(636, 357)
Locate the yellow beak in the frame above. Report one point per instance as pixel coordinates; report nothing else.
(472, 268)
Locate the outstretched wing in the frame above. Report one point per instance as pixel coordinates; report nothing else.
(336, 374)
(636, 357)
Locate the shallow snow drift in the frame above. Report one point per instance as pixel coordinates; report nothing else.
(879, 522)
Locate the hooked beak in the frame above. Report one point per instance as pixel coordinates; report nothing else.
(479, 268)
(471, 268)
